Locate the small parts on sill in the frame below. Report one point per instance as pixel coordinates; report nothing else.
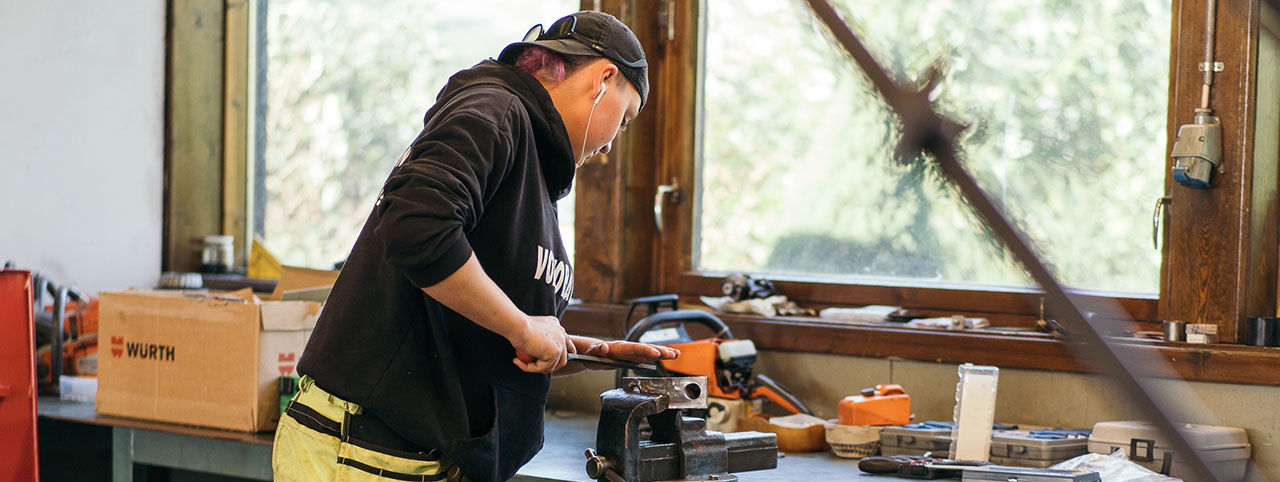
(1177, 331)
(777, 305)
(748, 295)
(882, 313)
(1051, 326)
(953, 322)
(745, 294)
(865, 314)
(743, 287)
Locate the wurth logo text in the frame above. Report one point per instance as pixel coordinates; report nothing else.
(146, 351)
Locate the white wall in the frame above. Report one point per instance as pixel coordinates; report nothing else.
(82, 139)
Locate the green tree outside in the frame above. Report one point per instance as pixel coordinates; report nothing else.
(1066, 102)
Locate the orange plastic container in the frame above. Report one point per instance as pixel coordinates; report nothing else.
(883, 405)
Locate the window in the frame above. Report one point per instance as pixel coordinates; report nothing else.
(1218, 251)
(1217, 267)
(346, 86)
(1067, 106)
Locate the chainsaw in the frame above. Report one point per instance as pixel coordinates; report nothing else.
(66, 331)
(727, 362)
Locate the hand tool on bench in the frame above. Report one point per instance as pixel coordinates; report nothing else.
(598, 361)
(915, 466)
(609, 362)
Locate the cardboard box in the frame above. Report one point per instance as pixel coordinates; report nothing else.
(298, 279)
(200, 358)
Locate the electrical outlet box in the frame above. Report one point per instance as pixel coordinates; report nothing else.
(1198, 151)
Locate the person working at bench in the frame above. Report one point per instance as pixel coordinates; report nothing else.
(412, 372)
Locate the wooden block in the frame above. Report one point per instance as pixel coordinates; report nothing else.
(794, 435)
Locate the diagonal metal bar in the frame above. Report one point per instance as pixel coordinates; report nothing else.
(929, 131)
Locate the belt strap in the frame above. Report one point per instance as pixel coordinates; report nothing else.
(323, 402)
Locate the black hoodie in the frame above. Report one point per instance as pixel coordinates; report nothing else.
(483, 176)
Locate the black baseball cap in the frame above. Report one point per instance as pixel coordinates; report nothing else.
(590, 33)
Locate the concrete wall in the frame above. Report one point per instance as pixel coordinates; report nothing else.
(81, 139)
(1029, 397)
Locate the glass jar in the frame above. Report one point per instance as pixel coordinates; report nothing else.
(218, 254)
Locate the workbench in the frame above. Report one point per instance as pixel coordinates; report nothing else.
(248, 455)
(141, 442)
(569, 434)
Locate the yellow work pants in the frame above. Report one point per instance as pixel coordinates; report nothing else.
(312, 445)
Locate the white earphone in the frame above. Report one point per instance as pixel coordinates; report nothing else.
(600, 95)
(594, 102)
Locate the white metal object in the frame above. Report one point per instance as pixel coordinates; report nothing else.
(1217, 66)
(975, 412)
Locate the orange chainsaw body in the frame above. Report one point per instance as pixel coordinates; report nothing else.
(79, 352)
(702, 358)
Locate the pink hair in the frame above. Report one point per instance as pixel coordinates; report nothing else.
(547, 65)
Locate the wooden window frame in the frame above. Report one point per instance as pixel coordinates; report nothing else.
(208, 113)
(1220, 245)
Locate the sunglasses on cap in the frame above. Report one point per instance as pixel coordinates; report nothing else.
(564, 29)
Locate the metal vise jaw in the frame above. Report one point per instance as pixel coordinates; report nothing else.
(680, 448)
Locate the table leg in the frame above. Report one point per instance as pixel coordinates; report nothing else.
(121, 454)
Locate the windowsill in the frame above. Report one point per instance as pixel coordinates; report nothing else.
(1015, 305)
(1219, 363)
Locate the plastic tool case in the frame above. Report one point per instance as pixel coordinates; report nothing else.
(1037, 448)
(915, 439)
(1227, 446)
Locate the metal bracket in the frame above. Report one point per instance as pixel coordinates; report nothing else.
(681, 392)
(1155, 225)
(1217, 66)
(667, 19)
(664, 191)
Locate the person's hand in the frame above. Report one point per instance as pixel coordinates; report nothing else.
(631, 351)
(544, 345)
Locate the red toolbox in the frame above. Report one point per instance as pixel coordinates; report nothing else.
(18, 456)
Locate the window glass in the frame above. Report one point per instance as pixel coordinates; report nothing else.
(1066, 102)
(347, 84)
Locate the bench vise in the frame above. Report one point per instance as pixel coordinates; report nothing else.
(679, 448)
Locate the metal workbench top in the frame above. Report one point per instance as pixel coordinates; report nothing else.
(248, 455)
(569, 434)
